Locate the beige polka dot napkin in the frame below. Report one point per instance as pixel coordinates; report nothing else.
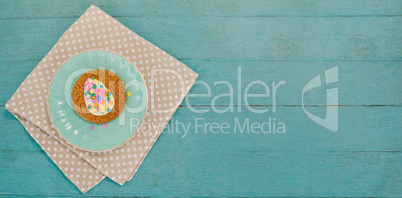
(166, 79)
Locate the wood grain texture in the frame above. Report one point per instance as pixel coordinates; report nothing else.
(234, 38)
(160, 8)
(290, 41)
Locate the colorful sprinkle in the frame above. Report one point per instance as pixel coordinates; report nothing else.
(104, 125)
(92, 128)
(98, 99)
(128, 93)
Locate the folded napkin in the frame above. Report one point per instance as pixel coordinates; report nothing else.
(166, 79)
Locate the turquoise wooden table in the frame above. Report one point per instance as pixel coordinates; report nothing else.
(239, 42)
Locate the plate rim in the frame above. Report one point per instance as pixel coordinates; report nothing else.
(142, 119)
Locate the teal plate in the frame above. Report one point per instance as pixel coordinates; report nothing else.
(75, 129)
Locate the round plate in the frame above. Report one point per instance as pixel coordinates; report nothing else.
(75, 129)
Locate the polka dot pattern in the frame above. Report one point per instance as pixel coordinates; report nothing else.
(166, 79)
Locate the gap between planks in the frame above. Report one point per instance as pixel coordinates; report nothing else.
(184, 106)
(215, 16)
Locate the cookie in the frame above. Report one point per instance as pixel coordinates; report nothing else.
(98, 96)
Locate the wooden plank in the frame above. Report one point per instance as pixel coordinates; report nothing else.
(360, 129)
(160, 8)
(232, 38)
(362, 159)
(239, 174)
(360, 82)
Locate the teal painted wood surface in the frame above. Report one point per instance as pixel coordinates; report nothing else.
(290, 41)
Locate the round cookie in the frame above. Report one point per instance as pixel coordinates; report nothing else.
(111, 83)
